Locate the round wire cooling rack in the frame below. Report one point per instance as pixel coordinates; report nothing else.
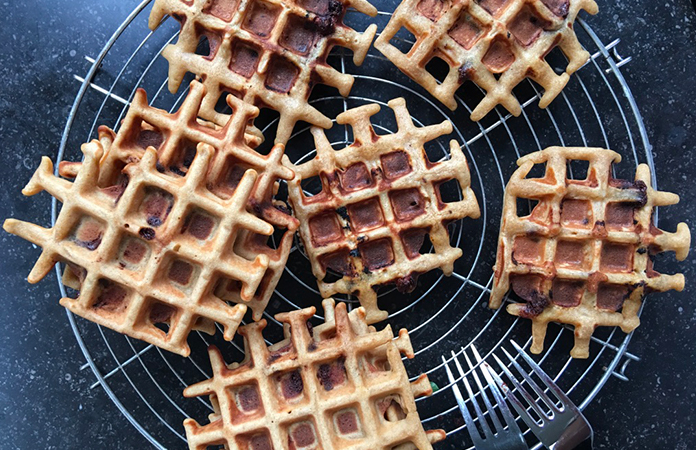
(443, 314)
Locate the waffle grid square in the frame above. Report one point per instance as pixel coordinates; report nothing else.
(380, 197)
(338, 385)
(583, 256)
(150, 250)
(494, 43)
(270, 53)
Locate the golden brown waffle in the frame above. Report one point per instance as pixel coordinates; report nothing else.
(380, 199)
(176, 137)
(583, 255)
(149, 250)
(268, 52)
(494, 43)
(334, 386)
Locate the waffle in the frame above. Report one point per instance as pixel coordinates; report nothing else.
(268, 52)
(494, 43)
(150, 250)
(334, 386)
(176, 137)
(380, 199)
(583, 256)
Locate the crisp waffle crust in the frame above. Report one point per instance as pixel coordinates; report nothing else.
(270, 53)
(150, 250)
(176, 137)
(494, 43)
(583, 256)
(338, 385)
(380, 201)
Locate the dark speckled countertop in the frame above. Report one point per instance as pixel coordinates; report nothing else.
(45, 399)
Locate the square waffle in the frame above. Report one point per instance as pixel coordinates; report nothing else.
(268, 52)
(583, 256)
(380, 198)
(338, 385)
(149, 251)
(176, 138)
(494, 43)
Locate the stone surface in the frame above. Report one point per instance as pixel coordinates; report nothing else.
(45, 399)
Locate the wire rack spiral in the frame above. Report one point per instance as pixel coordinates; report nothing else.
(444, 314)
